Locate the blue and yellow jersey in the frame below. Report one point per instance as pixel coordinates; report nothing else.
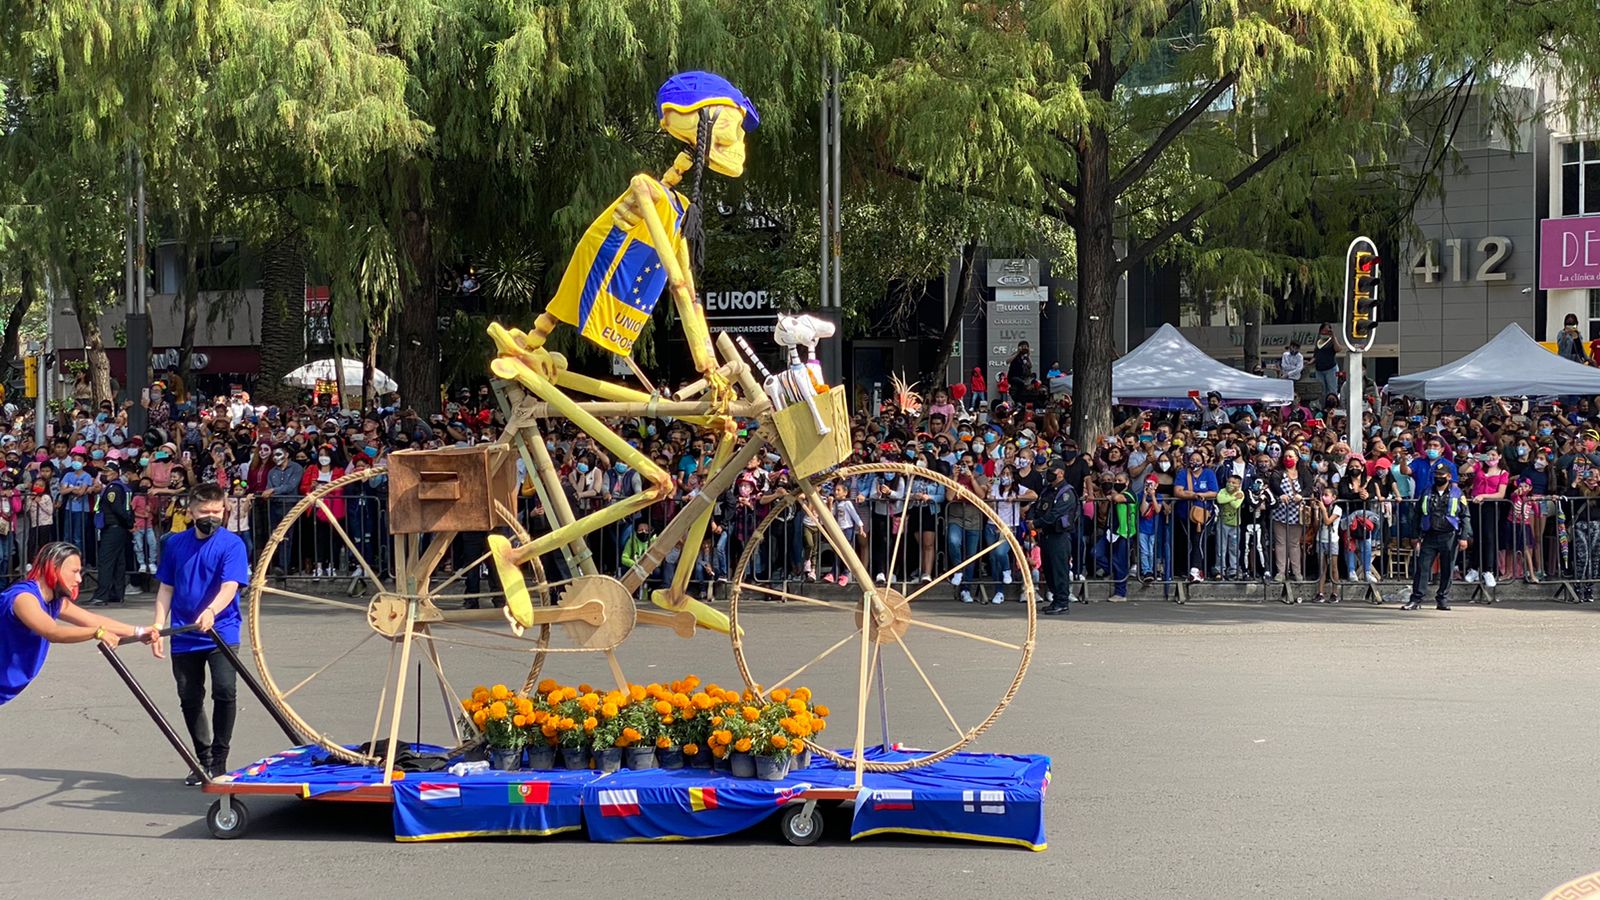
(616, 275)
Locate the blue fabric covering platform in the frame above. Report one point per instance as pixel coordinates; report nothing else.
(970, 796)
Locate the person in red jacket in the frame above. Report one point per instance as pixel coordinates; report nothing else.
(980, 388)
(320, 542)
(1002, 387)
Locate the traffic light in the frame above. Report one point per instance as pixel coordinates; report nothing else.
(1363, 272)
(30, 376)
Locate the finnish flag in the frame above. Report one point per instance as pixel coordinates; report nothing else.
(992, 802)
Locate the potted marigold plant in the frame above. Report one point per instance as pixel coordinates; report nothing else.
(693, 728)
(504, 721)
(641, 726)
(675, 725)
(566, 719)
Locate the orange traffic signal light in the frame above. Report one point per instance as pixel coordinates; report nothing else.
(1362, 282)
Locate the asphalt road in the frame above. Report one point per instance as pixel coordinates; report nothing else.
(1211, 750)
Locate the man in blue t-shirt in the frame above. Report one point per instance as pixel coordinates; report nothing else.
(200, 574)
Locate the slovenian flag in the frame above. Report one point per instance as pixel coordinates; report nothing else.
(702, 798)
(619, 803)
(533, 792)
(892, 799)
(447, 794)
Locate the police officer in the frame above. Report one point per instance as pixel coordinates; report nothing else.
(1443, 529)
(1054, 518)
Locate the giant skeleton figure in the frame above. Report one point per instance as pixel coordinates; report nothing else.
(638, 246)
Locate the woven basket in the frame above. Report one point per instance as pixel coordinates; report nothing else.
(808, 452)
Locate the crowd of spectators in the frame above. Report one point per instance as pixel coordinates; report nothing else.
(1210, 492)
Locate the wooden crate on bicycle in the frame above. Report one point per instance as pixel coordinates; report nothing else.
(453, 489)
(808, 451)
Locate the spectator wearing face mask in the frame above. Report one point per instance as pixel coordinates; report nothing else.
(320, 547)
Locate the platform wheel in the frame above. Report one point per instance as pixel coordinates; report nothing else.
(228, 822)
(801, 824)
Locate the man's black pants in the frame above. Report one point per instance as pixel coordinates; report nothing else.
(1055, 551)
(114, 546)
(211, 739)
(1440, 545)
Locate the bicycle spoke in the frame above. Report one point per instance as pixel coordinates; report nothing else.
(308, 598)
(929, 682)
(795, 597)
(959, 633)
(954, 569)
(383, 695)
(461, 573)
(899, 538)
(307, 679)
(366, 567)
(814, 660)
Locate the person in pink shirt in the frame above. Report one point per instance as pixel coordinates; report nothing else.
(144, 532)
(1489, 491)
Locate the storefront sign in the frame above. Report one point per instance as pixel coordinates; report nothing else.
(1013, 273)
(1012, 316)
(1569, 253)
(741, 312)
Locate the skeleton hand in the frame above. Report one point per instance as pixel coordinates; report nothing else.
(719, 389)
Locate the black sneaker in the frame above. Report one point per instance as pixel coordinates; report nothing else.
(193, 780)
(1442, 605)
(1058, 609)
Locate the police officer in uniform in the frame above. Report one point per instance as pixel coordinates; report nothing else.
(1054, 517)
(1443, 528)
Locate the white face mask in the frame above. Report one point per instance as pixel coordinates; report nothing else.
(1164, 466)
(324, 460)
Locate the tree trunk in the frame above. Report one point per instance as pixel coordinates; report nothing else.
(1097, 288)
(86, 307)
(934, 378)
(1252, 333)
(283, 316)
(375, 335)
(191, 293)
(417, 362)
(11, 345)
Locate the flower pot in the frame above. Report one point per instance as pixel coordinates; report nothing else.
(503, 760)
(609, 759)
(639, 757)
(801, 760)
(574, 758)
(743, 765)
(772, 768)
(721, 764)
(669, 757)
(700, 760)
(542, 756)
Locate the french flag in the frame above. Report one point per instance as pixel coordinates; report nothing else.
(439, 793)
(892, 799)
(619, 803)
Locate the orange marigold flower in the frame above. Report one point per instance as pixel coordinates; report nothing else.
(663, 707)
(691, 749)
(719, 752)
(636, 691)
(751, 713)
(497, 710)
(548, 730)
(589, 703)
(617, 698)
(725, 736)
(691, 682)
(518, 720)
(467, 704)
(480, 717)
(779, 741)
(609, 710)
(548, 685)
(821, 710)
(631, 733)
(539, 716)
(779, 695)
(703, 700)
(804, 693)
(795, 704)
(499, 692)
(663, 742)
(590, 723)
(667, 720)
(742, 745)
(716, 720)
(730, 696)
(584, 688)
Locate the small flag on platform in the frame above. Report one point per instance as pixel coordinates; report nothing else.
(992, 802)
(785, 794)
(439, 793)
(619, 803)
(536, 792)
(702, 798)
(892, 799)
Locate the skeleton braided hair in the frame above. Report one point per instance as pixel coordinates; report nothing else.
(693, 217)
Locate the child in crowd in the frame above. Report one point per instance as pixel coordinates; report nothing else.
(144, 532)
(1229, 502)
(1326, 517)
(1523, 510)
(849, 521)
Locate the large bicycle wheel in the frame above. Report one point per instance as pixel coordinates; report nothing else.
(914, 639)
(332, 655)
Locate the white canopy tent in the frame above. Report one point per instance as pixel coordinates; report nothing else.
(1163, 370)
(348, 375)
(1511, 364)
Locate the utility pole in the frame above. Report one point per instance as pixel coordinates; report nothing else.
(137, 353)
